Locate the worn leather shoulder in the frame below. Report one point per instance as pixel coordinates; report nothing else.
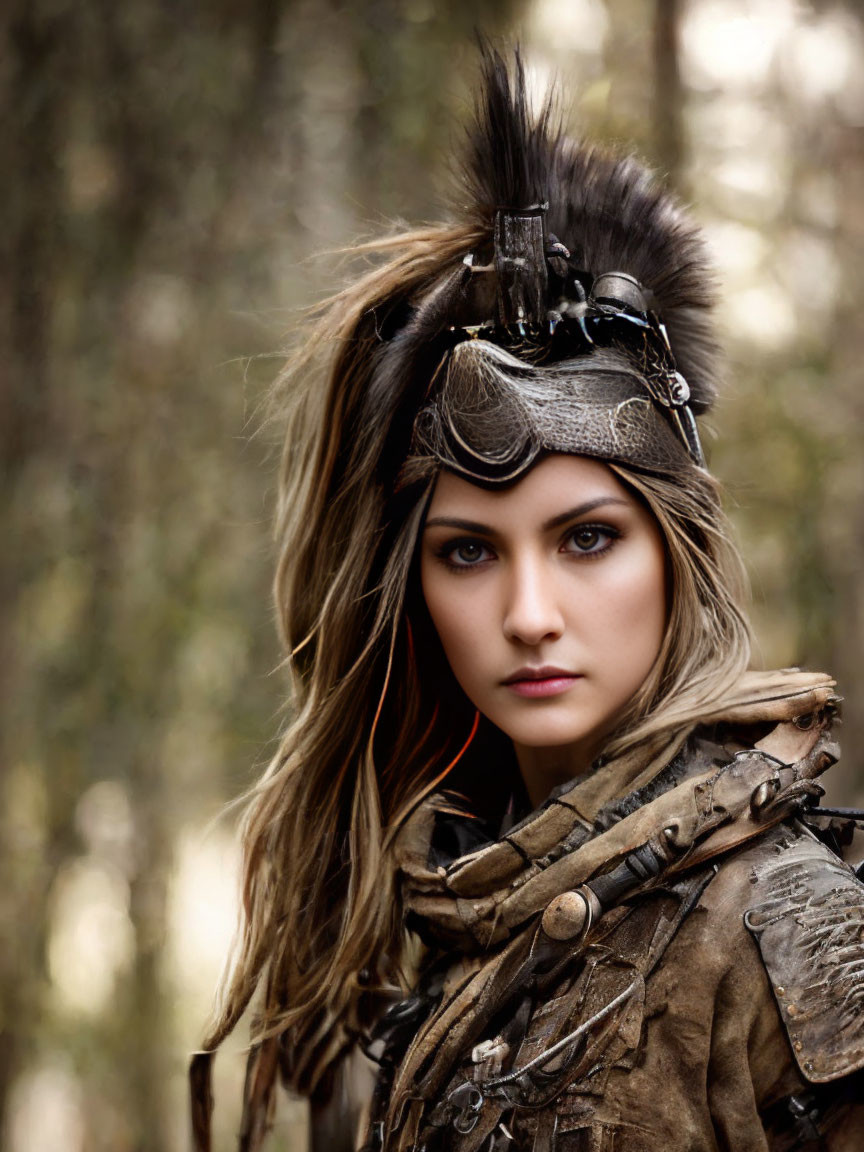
(807, 917)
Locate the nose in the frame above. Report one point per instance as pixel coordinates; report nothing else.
(532, 611)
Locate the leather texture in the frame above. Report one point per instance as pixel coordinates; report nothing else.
(654, 1024)
(808, 921)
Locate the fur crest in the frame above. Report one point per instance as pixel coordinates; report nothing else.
(608, 209)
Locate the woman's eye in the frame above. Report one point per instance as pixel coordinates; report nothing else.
(465, 554)
(590, 538)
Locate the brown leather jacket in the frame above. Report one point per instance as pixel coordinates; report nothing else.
(713, 1000)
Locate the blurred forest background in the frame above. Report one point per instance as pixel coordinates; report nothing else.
(172, 170)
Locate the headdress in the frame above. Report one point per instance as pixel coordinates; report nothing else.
(581, 322)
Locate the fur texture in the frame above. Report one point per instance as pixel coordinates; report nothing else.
(608, 210)
(509, 149)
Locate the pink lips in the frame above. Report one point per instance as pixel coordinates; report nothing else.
(537, 682)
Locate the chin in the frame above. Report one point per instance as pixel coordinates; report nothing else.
(547, 732)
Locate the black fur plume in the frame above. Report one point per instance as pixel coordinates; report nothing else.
(510, 149)
(607, 209)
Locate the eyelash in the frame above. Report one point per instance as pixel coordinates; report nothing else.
(612, 535)
(446, 552)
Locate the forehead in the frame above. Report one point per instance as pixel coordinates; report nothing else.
(555, 483)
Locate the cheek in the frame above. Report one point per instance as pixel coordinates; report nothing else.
(459, 619)
(634, 612)
(643, 601)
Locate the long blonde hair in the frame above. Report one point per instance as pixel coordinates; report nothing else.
(377, 718)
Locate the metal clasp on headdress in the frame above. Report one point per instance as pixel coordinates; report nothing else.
(520, 262)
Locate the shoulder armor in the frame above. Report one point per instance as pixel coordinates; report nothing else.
(808, 921)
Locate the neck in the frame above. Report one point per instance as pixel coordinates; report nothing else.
(543, 769)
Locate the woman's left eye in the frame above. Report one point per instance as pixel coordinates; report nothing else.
(590, 539)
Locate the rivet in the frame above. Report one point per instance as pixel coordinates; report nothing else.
(792, 1010)
(798, 1045)
(762, 796)
(808, 1065)
(565, 917)
(780, 990)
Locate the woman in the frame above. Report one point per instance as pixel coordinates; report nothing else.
(535, 840)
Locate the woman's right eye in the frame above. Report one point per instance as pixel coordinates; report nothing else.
(465, 553)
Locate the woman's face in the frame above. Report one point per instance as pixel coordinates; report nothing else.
(549, 598)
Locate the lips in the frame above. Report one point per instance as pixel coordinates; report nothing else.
(546, 680)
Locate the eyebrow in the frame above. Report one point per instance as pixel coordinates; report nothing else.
(555, 522)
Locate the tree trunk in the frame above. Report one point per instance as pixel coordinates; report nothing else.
(668, 112)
